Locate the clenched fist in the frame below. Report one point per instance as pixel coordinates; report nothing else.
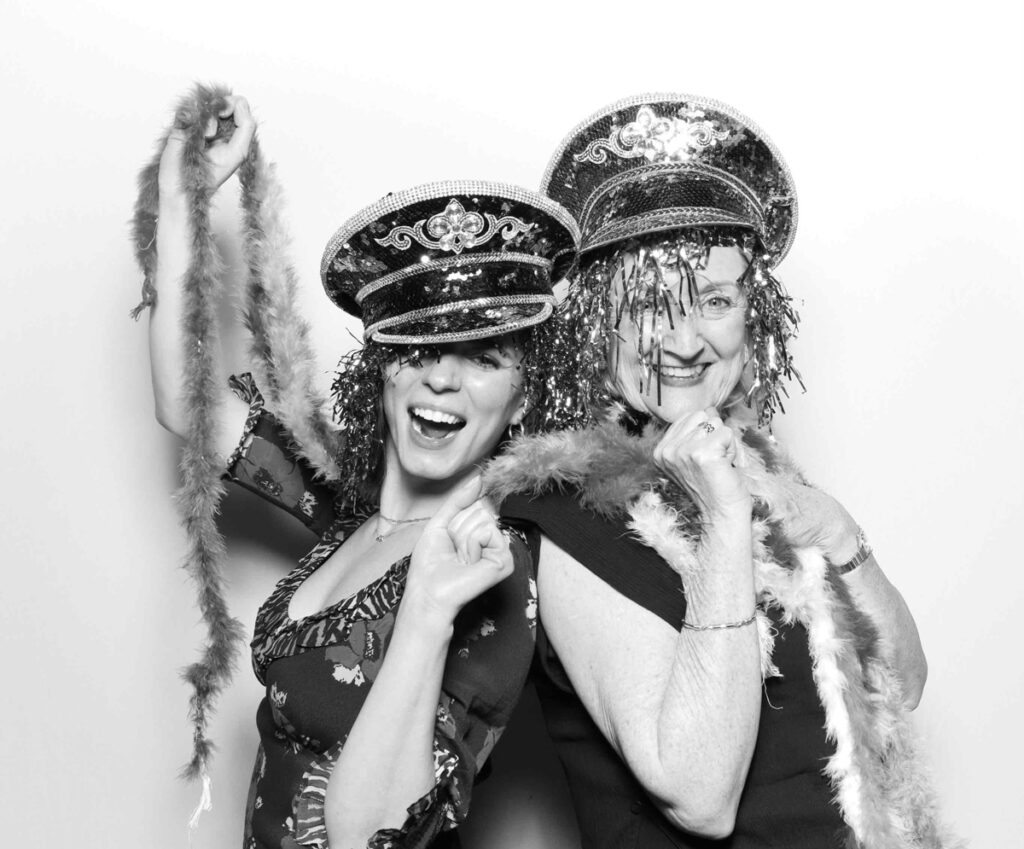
(460, 554)
(698, 453)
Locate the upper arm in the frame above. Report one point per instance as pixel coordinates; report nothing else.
(682, 713)
(617, 654)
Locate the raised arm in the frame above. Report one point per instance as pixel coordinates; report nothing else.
(175, 239)
(681, 708)
(408, 765)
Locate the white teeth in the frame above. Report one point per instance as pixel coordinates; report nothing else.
(436, 416)
(681, 371)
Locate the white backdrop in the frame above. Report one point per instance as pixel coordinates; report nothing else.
(902, 124)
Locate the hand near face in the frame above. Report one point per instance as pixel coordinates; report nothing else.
(460, 554)
(223, 156)
(698, 453)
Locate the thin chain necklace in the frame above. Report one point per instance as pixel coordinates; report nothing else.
(380, 536)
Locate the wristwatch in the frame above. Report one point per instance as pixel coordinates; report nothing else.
(863, 553)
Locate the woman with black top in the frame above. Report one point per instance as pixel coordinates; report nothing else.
(725, 663)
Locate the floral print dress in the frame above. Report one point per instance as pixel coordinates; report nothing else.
(318, 669)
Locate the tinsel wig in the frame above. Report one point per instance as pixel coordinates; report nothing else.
(667, 177)
(609, 290)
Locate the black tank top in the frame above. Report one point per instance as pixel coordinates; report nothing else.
(787, 801)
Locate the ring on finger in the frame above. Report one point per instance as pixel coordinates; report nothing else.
(707, 427)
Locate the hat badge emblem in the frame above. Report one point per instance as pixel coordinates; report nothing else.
(455, 229)
(656, 138)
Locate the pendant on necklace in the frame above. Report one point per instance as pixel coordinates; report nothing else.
(396, 524)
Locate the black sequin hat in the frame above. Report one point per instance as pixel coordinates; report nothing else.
(452, 261)
(659, 162)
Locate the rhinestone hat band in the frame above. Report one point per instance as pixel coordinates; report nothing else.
(546, 303)
(670, 219)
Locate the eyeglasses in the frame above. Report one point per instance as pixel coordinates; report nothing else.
(665, 305)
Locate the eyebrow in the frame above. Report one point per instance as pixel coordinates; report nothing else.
(479, 346)
(706, 284)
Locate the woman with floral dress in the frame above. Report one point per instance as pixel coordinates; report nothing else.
(394, 653)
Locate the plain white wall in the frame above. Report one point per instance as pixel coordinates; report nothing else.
(902, 125)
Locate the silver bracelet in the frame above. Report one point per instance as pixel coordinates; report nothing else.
(862, 554)
(721, 626)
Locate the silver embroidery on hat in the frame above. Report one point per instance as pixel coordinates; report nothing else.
(656, 138)
(455, 229)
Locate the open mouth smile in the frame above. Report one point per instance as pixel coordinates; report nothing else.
(680, 373)
(435, 425)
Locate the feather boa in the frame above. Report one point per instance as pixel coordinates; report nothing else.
(878, 783)
(881, 790)
(201, 488)
(281, 348)
(280, 335)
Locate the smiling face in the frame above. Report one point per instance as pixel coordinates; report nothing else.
(681, 329)
(447, 412)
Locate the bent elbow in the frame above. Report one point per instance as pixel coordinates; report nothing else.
(170, 421)
(715, 822)
(169, 406)
(913, 684)
(163, 420)
(705, 804)
(709, 813)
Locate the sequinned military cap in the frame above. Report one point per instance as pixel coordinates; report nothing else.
(660, 162)
(452, 261)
